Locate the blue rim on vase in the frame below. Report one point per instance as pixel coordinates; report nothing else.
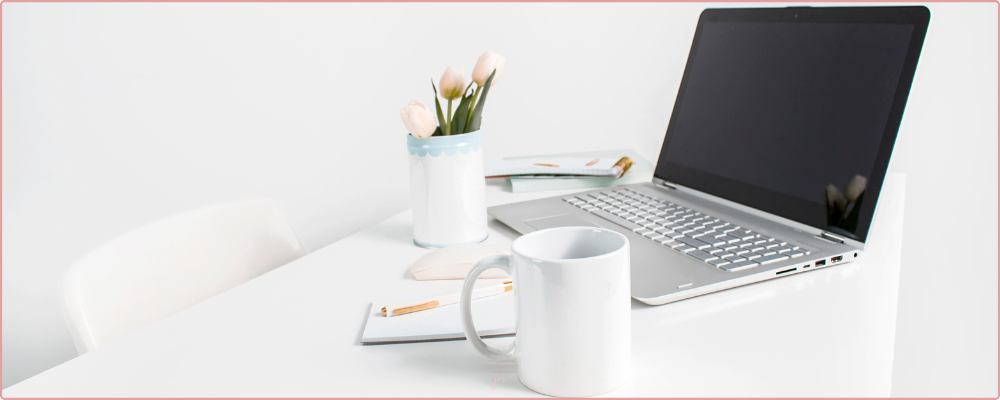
(448, 145)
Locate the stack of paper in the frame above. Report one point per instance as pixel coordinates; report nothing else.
(641, 171)
(611, 167)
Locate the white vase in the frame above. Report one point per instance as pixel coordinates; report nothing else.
(449, 189)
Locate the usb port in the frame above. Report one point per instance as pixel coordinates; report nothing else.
(836, 259)
(820, 263)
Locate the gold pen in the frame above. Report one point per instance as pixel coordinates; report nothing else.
(442, 300)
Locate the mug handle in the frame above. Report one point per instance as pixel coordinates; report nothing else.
(491, 353)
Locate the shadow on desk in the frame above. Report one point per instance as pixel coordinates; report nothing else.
(742, 296)
(458, 360)
(500, 183)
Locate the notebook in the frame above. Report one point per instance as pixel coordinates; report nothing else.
(612, 167)
(641, 171)
(494, 316)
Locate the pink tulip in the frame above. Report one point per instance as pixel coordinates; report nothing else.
(485, 66)
(418, 119)
(855, 188)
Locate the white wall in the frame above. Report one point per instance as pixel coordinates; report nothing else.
(946, 335)
(116, 115)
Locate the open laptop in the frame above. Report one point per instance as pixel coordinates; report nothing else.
(774, 156)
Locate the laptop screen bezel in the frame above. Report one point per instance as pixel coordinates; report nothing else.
(774, 202)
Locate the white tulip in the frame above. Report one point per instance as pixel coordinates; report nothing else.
(855, 188)
(485, 66)
(834, 198)
(452, 84)
(418, 119)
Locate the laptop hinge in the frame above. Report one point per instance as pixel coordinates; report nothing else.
(667, 185)
(830, 237)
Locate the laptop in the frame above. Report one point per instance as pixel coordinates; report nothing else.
(774, 157)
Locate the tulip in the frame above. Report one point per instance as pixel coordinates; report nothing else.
(487, 63)
(418, 119)
(452, 84)
(834, 198)
(855, 188)
(485, 66)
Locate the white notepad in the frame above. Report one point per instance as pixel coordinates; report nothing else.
(494, 317)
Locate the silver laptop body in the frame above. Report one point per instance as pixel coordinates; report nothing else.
(657, 216)
(661, 275)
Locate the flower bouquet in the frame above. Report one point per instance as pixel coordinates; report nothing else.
(446, 159)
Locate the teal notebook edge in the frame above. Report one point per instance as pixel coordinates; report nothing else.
(641, 171)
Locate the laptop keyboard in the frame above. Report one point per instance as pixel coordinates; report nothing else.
(702, 236)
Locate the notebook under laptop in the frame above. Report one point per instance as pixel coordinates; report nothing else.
(774, 156)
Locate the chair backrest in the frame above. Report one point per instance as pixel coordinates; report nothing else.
(169, 265)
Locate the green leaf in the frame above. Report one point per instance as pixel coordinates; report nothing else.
(461, 114)
(437, 104)
(438, 132)
(477, 113)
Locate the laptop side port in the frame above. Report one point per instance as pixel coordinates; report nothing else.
(836, 259)
(820, 263)
(786, 271)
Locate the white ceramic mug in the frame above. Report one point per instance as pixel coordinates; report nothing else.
(574, 325)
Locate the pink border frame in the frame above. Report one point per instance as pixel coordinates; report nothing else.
(420, 1)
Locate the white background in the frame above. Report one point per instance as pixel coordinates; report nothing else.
(116, 115)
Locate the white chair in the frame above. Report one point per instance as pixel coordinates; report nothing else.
(169, 265)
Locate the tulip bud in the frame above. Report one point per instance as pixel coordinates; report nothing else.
(418, 119)
(485, 66)
(855, 188)
(830, 193)
(834, 198)
(452, 84)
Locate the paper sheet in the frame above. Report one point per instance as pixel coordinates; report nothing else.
(494, 316)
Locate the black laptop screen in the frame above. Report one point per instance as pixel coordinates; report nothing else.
(790, 117)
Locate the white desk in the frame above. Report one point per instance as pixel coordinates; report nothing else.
(295, 332)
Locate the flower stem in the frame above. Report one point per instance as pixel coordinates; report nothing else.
(447, 127)
(472, 106)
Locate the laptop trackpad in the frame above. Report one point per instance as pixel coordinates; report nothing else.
(557, 221)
